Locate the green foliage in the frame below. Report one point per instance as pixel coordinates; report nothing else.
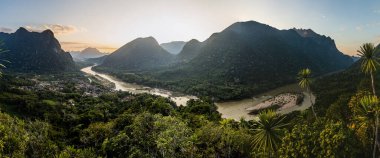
(319, 140)
(223, 141)
(96, 133)
(174, 137)
(369, 60)
(13, 137)
(120, 124)
(70, 152)
(203, 106)
(39, 142)
(304, 77)
(2, 61)
(268, 132)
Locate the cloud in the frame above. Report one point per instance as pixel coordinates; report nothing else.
(6, 30)
(376, 11)
(359, 28)
(56, 28)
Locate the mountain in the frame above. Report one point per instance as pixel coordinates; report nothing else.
(139, 54)
(355, 58)
(248, 58)
(87, 53)
(33, 51)
(190, 50)
(97, 61)
(244, 59)
(174, 47)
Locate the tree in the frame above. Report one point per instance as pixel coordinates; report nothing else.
(267, 134)
(369, 61)
(13, 136)
(40, 144)
(323, 138)
(362, 120)
(370, 105)
(2, 50)
(96, 133)
(173, 137)
(368, 65)
(223, 140)
(70, 152)
(304, 77)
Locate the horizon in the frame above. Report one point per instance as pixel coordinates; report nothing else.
(108, 26)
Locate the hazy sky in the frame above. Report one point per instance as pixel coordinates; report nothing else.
(109, 24)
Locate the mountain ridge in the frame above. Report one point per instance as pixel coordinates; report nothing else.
(174, 47)
(33, 51)
(87, 53)
(247, 58)
(139, 54)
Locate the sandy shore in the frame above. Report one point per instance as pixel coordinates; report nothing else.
(238, 109)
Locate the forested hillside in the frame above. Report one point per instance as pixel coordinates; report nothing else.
(244, 59)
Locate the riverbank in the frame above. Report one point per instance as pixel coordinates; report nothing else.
(179, 99)
(240, 108)
(230, 109)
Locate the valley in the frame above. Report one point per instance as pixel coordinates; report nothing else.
(178, 98)
(236, 109)
(189, 79)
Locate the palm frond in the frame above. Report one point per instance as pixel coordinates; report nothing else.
(267, 135)
(369, 103)
(369, 60)
(304, 76)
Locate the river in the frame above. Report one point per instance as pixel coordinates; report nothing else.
(179, 99)
(230, 109)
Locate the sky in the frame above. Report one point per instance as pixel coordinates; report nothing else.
(109, 24)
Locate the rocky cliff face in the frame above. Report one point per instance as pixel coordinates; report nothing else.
(33, 51)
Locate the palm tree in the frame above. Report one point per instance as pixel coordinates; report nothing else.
(304, 77)
(2, 66)
(369, 110)
(267, 134)
(369, 61)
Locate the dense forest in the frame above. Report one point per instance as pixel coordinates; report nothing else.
(68, 123)
(38, 121)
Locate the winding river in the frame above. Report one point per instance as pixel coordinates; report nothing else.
(230, 109)
(179, 99)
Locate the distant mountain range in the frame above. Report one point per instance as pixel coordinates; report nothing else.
(33, 51)
(87, 54)
(174, 47)
(245, 58)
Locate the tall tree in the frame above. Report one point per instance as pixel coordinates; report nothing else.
(304, 77)
(369, 61)
(267, 134)
(368, 65)
(2, 50)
